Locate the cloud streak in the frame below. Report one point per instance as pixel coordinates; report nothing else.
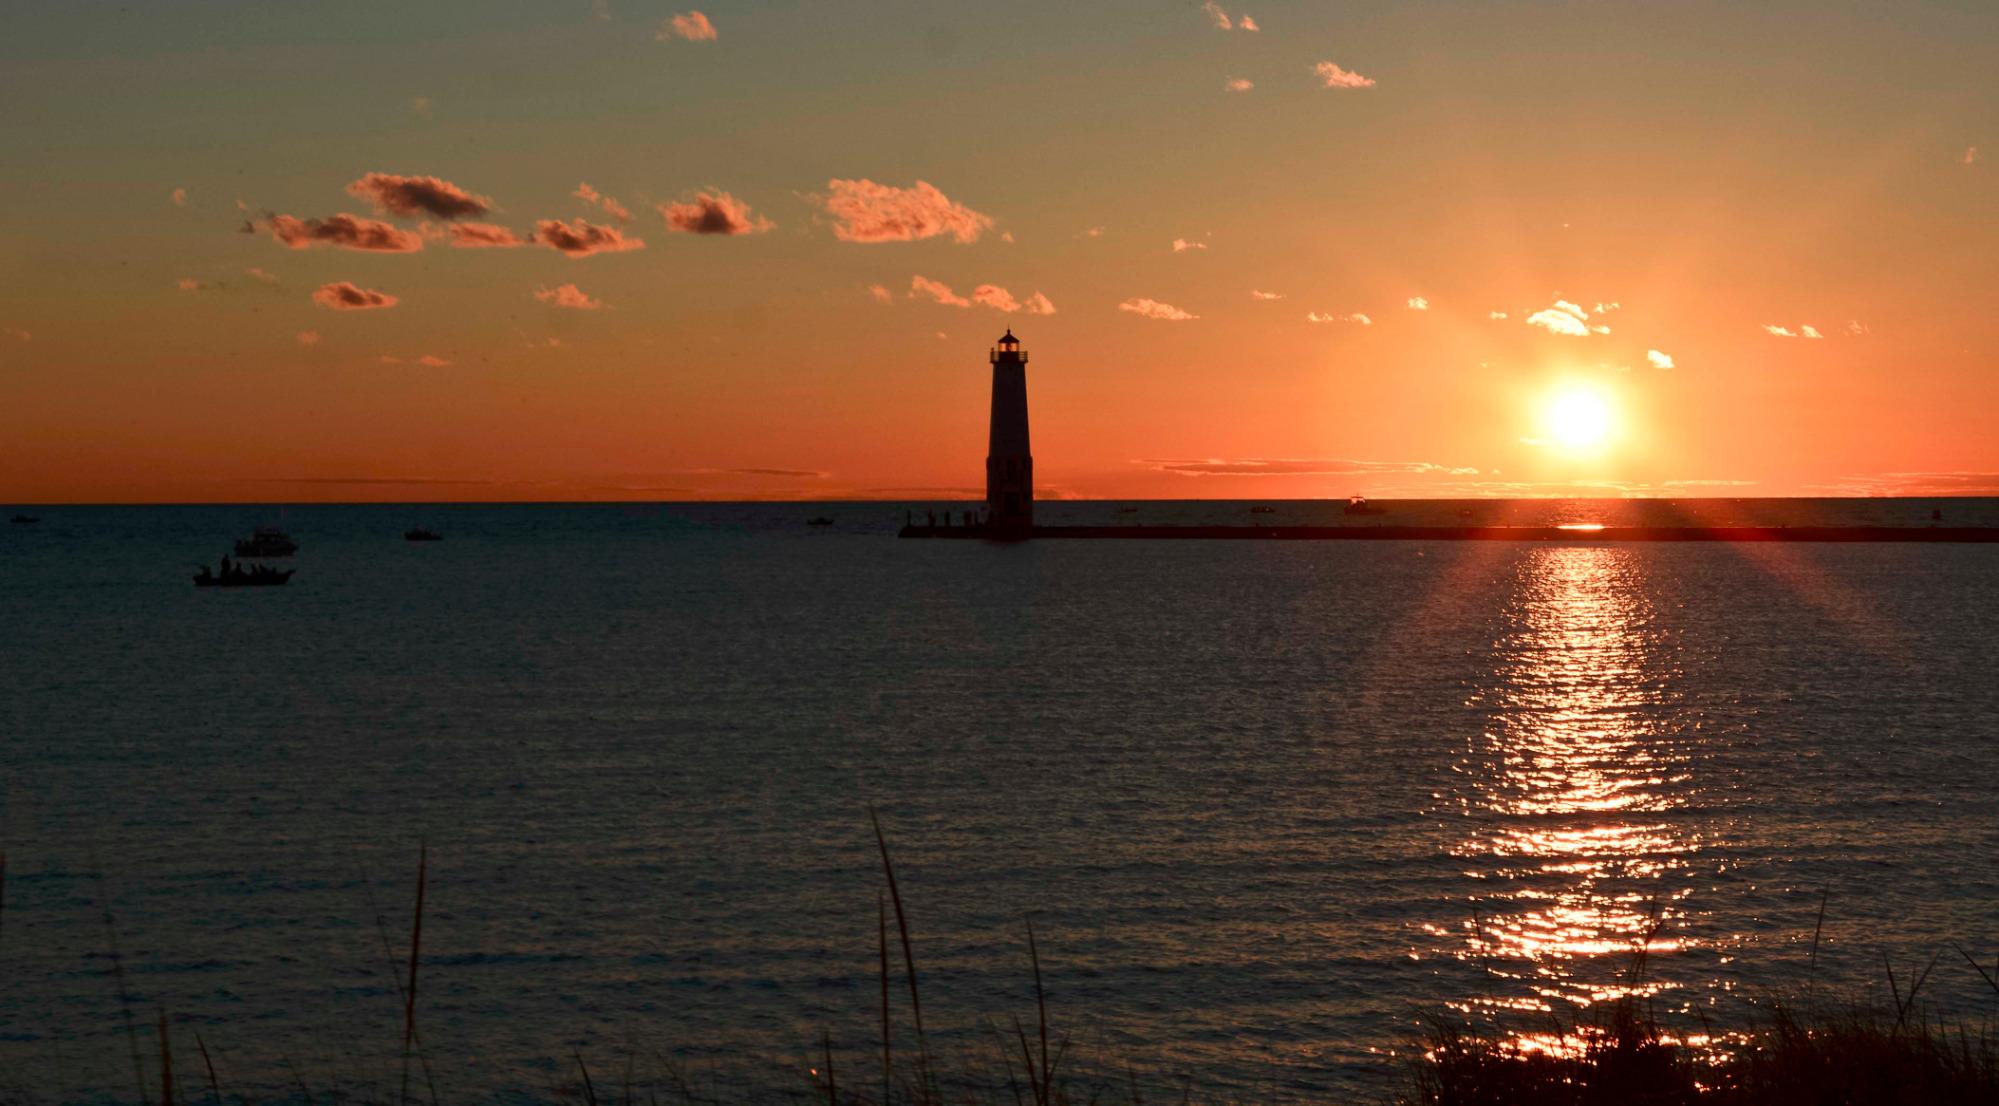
(687, 26)
(713, 213)
(1294, 466)
(579, 238)
(1332, 76)
(1153, 309)
(414, 196)
(347, 232)
(483, 236)
(568, 296)
(345, 295)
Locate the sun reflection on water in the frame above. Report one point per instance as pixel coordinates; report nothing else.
(1569, 792)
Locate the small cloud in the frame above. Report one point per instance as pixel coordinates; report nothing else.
(411, 196)
(691, 26)
(1496, 315)
(1245, 23)
(1566, 318)
(1153, 309)
(1038, 304)
(1970, 155)
(1181, 245)
(713, 213)
(1856, 328)
(1780, 331)
(189, 284)
(1418, 303)
(881, 293)
(1332, 76)
(1093, 232)
(1810, 332)
(308, 337)
(943, 337)
(1007, 237)
(1256, 295)
(603, 203)
(568, 295)
(1659, 360)
(432, 360)
(936, 290)
(255, 273)
(180, 197)
(1238, 84)
(864, 211)
(420, 105)
(1318, 317)
(347, 296)
(348, 232)
(1219, 17)
(483, 236)
(995, 297)
(581, 239)
(1606, 308)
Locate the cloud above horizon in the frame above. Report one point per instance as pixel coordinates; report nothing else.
(1153, 309)
(713, 213)
(393, 194)
(1659, 360)
(1787, 332)
(602, 202)
(345, 295)
(1569, 319)
(1219, 18)
(569, 296)
(1181, 245)
(1292, 466)
(579, 238)
(483, 236)
(985, 295)
(347, 232)
(1332, 76)
(864, 211)
(1238, 84)
(1321, 317)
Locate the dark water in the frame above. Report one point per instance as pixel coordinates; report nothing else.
(1268, 803)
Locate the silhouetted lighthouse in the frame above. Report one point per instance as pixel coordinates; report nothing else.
(1009, 462)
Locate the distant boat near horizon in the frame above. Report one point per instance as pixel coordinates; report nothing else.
(255, 576)
(418, 533)
(266, 541)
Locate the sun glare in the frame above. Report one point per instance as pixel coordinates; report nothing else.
(1579, 418)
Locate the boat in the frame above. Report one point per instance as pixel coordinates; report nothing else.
(1358, 505)
(1261, 509)
(418, 533)
(255, 576)
(267, 541)
(819, 520)
(23, 520)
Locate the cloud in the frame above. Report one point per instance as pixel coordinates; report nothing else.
(1418, 303)
(995, 297)
(1153, 309)
(936, 290)
(568, 295)
(603, 203)
(349, 232)
(1970, 155)
(411, 196)
(180, 197)
(1332, 76)
(713, 213)
(1319, 317)
(1952, 483)
(1495, 315)
(581, 239)
(691, 26)
(1181, 245)
(189, 284)
(347, 296)
(308, 337)
(1038, 304)
(1222, 22)
(1569, 319)
(432, 360)
(1856, 328)
(1292, 466)
(1093, 232)
(881, 293)
(864, 211)
(1256, 295)
(479, 236)
(1810, 331)
(1787, 332)
(1238, 84)
(258, 274)
(1659, 360)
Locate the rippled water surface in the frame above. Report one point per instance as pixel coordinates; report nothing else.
(1268, 803)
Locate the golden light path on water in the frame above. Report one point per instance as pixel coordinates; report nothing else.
(1568, 790)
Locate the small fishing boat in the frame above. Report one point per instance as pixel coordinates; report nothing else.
(418, 533)
(266, 541)
(255, 576)
(1358, 505)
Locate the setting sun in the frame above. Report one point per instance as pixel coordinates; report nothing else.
(1579, 418)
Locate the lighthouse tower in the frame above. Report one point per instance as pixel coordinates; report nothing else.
(1009, 462)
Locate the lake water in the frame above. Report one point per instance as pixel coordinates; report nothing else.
(1268, 803)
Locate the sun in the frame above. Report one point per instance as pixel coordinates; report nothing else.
(1579, 418)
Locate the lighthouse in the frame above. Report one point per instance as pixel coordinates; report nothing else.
(1009, 462)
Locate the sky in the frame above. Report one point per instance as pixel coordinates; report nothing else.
(577, 250)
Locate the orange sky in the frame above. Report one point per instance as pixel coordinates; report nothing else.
(827, 213)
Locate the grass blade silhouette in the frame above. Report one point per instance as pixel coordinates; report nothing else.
(908, 960)
(416, 946)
